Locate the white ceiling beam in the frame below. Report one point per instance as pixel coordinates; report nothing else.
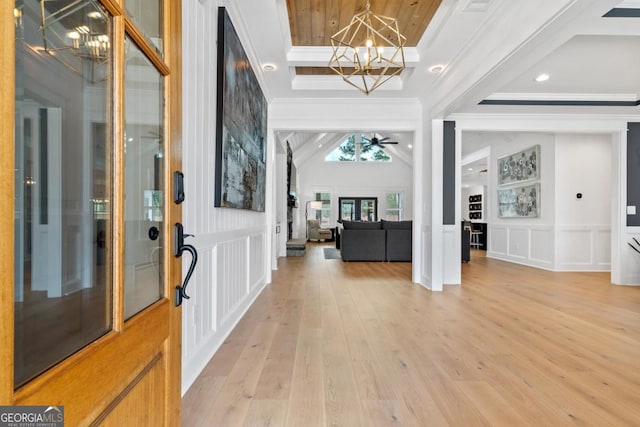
(319, 56)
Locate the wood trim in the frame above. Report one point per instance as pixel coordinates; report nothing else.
(7, 183)
(149, 50)
(93, 365)
(118, 187)
(109, 409)
(173, 162)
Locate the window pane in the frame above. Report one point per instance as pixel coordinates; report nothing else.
(144, 184)
(63, 220)
(367, 210)
(346, 152)
(147, 14)
(372, 153)
(324, 215)
(347, 210)
(394, 207)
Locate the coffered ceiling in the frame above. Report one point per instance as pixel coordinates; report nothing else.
(462, 56)
(313, 22)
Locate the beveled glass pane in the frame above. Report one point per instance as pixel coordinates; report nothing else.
(147, 15)
(144, 183)
(63, 181)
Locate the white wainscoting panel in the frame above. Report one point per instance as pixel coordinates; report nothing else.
(574, 247)
(427, 266)
(232, 243)
(232, 281)
(583, 248)
(541, 246)
(257, 261)
(602, 248)
(451, 258)
(497, 241)
(230, 276)
(557, 248)
(518, 243)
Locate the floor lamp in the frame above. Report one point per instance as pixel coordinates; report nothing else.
(313, 204)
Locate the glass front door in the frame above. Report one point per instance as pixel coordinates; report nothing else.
(86, 319)
(63, 183)
(358, 208)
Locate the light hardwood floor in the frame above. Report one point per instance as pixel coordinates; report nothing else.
(357, 344)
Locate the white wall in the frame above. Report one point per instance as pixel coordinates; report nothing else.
(569, 234)
(233, 245)
(583, 225)
(352, 179)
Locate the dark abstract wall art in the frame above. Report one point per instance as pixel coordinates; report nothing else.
(519, 202)
(241, 125)
(518, 167)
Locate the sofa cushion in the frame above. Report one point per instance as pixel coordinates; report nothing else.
(361, 225)
(363, 245)
(397, 225)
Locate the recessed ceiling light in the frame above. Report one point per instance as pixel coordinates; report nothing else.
(469, 169)
(410, 145)
(543, 77)
(436, 69)
(268, 67)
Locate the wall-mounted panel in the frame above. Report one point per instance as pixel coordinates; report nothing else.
(542, 246)
(498, 240)
(257, 260)
(574, 246)
(602, 248)
(232, 280)
(583, 248)
(518, 242)
(451, 264)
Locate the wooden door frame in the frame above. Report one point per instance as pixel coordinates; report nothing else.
(7, 176)
(95, 352)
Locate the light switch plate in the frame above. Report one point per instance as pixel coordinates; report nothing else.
(631, 210)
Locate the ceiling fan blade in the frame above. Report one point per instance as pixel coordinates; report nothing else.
(388, 142)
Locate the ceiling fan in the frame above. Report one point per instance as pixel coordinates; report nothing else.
(379, 141)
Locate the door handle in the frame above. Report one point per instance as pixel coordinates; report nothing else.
(179, 247)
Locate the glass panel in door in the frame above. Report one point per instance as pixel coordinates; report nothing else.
(147, 14)
(368, 209)
(347, 209)
(63, 183)
(144, 185)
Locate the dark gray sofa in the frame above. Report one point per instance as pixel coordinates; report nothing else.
(399, 238)
(362, 241)
(376, 241)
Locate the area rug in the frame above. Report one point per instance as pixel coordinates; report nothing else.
(332, 253)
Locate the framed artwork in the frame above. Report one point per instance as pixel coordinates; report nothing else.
(241, 125)
(519, 202)
(518, 167)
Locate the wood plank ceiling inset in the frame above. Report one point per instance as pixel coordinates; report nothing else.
(313, 22)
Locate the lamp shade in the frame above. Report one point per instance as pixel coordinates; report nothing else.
(316, 204)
